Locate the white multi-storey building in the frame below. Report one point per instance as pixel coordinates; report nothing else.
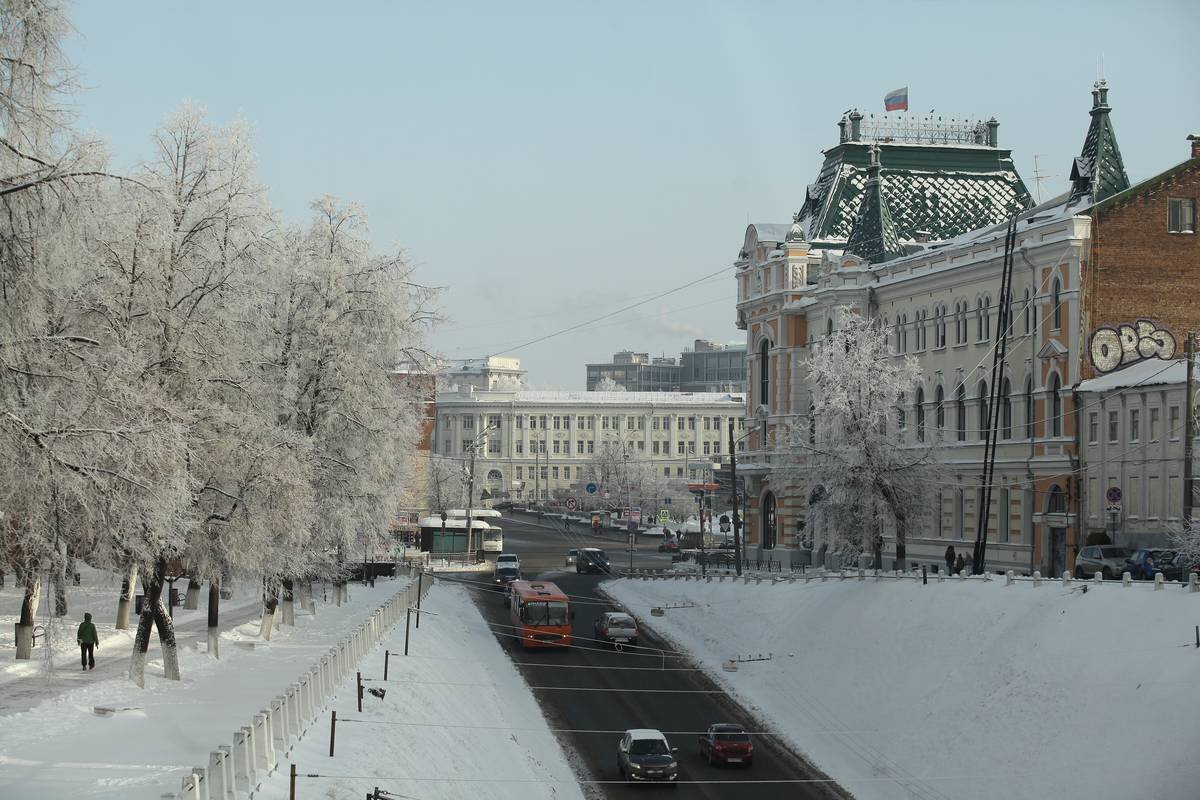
(538, 444)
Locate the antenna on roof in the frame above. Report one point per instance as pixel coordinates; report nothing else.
(1038, 177)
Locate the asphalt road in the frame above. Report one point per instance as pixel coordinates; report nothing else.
(603, 701)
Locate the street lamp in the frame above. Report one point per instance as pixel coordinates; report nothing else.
(474, 448)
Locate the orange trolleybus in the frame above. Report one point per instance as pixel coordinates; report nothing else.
(540, 613)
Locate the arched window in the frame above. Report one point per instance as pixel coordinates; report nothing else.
(829, 326)
(962, 323)
(764, 373)
(1028, 312)
(987, 318)
(940, 409)
(1056, 406)
(494, 476)
(1056, 305)
(901, 414)
(939, 327)
(1029, 423)
(960, 411)
(812, 424)
(980, 314)
(920, 409)
(1056, 501)
(983, 410)
(768, 521)
(1006, 425)
(903, 331)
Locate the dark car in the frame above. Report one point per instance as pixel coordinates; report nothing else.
(1137, 564)
(591, 559)
(505, 575)
(727, 743)
(504, 505)
(643, 754)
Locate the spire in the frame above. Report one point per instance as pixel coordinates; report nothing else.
(1098, 171)
(796, 233)
(873, 237)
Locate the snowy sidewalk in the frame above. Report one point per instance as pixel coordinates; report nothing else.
(62, 749)
(457, 721)
(966, 688)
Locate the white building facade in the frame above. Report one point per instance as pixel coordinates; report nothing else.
(537, 445)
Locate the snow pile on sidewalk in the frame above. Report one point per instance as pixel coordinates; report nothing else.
(457, 720)
(63, 748)
(957, 689)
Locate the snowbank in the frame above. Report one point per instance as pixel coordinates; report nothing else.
(958, 689)
(457, 720)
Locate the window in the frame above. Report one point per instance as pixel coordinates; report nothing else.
(984, 423)
(1004, 515)
(691, 423)
(939, 327)
(764, 376)
(1112, 426)
(641, 423)
(542, 422)
(641, 446)
(654, 447)
(983, 318)
(542, 446)
(920, 410)
(554, 473)
(960, 412)
(901, 420)
(1173, 432)
(708, 448)
(940, 409)
(1006, 415)
(557, 447)
(591, 447)
(691, 448)
(1056, 503)
(828, 327)
(654, 423)
(1135, 425)
(1028, 313)
(493, 447)
(579, 446)
(567, 422)
(1154, 423)
(545, 473)
(1029, 408)
(518, 472)
(604, 422)
(466, 445)
(902, 332)
(679, 472)
(812, 423)
(679, 448)
(1056, 406)
(468, 422)
(1056, 305)
(1182, 215)
(557, 422)
(922, 332)
(520, 447)
(1093, 427)
(520, 421)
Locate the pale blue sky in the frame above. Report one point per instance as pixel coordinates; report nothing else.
(550, 162)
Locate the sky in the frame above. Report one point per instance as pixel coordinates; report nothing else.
(548, 163)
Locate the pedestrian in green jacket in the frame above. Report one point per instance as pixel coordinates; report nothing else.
(88, 641)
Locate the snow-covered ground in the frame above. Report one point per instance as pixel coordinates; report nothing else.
(62, 748)
(961, 689)
(457, 720)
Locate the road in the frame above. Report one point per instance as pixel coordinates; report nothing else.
(604, 700)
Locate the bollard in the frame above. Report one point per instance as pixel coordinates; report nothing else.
(1126, 579)
(407, 620)
(332, 730)
(283, 733)
(941, 576)
(1193, 582)
(386, 655)
(1010, 578)
(1098, 578)
(924, 576)
(1158, 581)
(359, 676)
(242, 769)
(1066, 579)
(272, 760)
(1037, 578)
(218, 769)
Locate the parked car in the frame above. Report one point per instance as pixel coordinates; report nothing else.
(504, 505)
(508, 559)
(1135, 564)
(591, 559)
(1107, 559)
(644, 754)
(616, 627)
(572, 554)
(727, 743)
(504, 575)
(1180, 568)
(668, 545)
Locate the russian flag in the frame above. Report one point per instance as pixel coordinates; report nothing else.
(896, 100)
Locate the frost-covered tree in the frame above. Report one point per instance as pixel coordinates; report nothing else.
(607, 384)
(862, 475)
(1185, 540)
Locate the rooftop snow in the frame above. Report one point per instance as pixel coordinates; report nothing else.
(1151, 372)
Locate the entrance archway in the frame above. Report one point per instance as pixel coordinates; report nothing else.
(769, 523)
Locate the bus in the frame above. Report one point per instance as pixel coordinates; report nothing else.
(541, 615)
(493, 536)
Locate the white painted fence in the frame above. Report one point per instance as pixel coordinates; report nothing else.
(235, 772)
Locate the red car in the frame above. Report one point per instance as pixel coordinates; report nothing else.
(727, 743)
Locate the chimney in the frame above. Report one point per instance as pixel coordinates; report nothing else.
(842, 129)
(1195, 140)
(855, 126)
(993, 138)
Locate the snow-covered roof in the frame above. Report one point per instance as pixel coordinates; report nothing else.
(1151, 372)
(596, 398)
(771, 231)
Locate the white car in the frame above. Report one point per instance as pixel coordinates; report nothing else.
(616, 627)
(508, 560)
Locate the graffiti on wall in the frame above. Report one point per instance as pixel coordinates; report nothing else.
(1113, 348)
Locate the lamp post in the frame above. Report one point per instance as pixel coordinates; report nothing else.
(475, 445)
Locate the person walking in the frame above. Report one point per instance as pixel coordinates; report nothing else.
(950, 558)
(960, 564)
(88, 642)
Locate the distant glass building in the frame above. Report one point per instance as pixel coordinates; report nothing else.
(707, 367)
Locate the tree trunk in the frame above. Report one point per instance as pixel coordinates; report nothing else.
(32, 583)
(154, 613)
(338, 588)
(901, 554)
(192, 601)
(270, 603)
(214, 604)
(289, 603)
(60, 591)
(127, 589)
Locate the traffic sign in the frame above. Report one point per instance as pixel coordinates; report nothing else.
(1114, 495)
(636, 515)
(664, 515)
(627, 512)
(572, 504)
(1114, 508)
(591, 488)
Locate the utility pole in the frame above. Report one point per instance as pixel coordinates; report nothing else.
(470, 491)
(1189, 429)
(737, 522)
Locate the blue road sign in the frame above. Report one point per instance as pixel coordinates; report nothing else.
(591, 488)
